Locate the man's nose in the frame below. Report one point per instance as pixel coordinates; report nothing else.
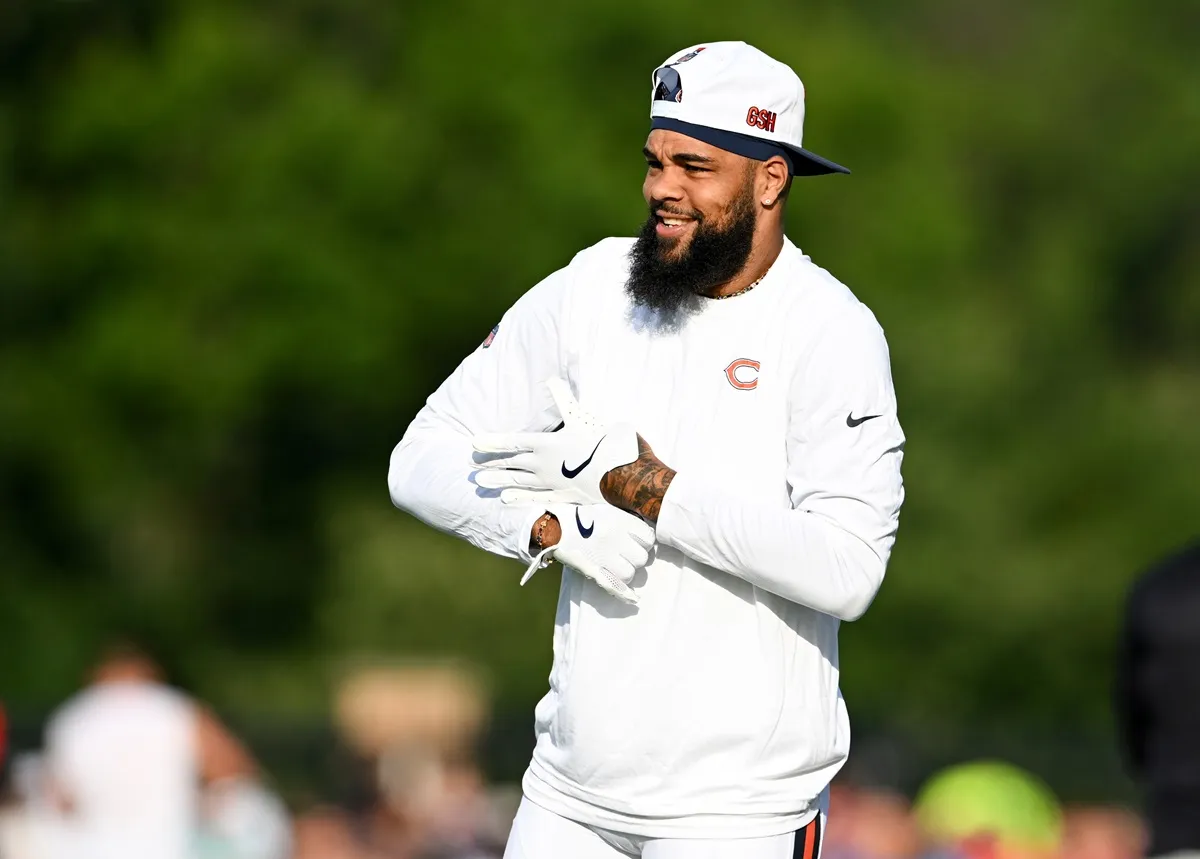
(664, 186)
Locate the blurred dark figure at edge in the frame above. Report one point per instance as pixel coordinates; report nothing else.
(1158, 699)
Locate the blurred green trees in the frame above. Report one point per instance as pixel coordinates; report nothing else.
(241, 243)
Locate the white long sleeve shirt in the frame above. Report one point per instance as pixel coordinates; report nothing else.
(712, 709)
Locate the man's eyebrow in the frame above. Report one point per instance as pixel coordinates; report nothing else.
(680, 157)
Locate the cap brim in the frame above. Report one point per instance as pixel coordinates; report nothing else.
(812, 164)
(800, 161)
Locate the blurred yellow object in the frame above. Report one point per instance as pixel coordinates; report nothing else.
(990, 798)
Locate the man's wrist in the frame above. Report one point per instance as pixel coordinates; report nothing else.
(640, 486)
(643, 496)
(546, 532)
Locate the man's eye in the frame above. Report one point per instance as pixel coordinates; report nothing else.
(654, 165)
(692, 168)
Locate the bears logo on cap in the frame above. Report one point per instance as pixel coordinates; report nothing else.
(669, 86)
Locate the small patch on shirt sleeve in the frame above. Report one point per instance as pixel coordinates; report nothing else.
(487, 341)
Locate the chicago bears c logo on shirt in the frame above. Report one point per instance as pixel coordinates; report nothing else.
(743, 374)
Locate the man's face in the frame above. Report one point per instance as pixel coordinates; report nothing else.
(689, 184)
(701, 223)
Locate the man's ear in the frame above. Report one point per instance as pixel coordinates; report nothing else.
(775, 180)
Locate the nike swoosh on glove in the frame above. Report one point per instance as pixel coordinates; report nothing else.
(600, 542)
(564, 466)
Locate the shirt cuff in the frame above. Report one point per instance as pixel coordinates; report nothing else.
(683, 499)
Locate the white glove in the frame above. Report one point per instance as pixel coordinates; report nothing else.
(564, 466)
(601, 542)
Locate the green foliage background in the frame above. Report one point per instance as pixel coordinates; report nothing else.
(240, 243)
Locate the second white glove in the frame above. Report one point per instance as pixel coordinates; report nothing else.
(600, 542)
(564, 466)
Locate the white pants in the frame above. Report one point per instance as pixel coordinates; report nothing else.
(541, 834)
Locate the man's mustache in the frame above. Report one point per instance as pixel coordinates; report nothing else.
(657, 206)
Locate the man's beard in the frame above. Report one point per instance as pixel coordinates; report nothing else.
(673, 287)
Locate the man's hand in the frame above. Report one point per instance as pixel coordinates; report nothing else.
(600, 542)
(564, 466)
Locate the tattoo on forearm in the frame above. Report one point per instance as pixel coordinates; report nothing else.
(638, 487)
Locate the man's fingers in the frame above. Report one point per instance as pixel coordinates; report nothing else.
(517, 495)
(500, 443)
(572, 413)
(609, 582)
(620, 590)
(637, 555)
(641, 533)
(560, 392)
(512, 461)
(504, 478)
(490, 478)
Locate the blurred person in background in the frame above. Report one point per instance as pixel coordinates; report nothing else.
(27, 823)
(138, 770)
(1102, 833)
(989, 810)
(694, 704)
(330, 833)
(1158, 699)
(415, 729)
(872, 823)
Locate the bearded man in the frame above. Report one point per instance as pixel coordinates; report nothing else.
(700, 425)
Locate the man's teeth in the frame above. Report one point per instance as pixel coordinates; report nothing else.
(673, 222)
